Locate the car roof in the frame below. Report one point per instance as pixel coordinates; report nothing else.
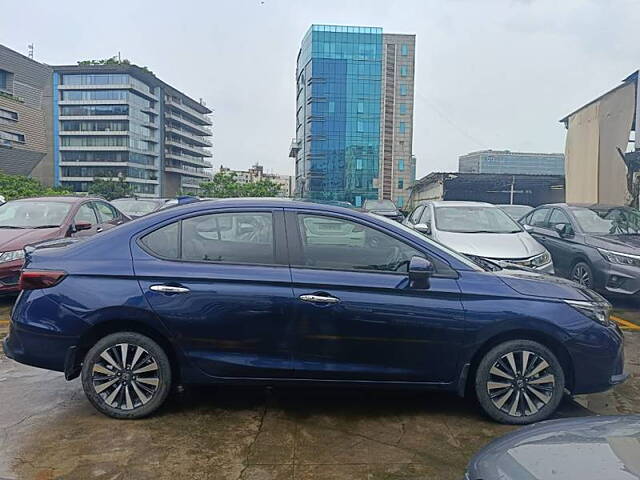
(456, 203)
(512, 205)
(65, 199)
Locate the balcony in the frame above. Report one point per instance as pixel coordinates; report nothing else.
(201, 129)
(119, 86)
(107, 163)
(94, 133)
(197, 116)
(196, 151)
(127, 179)
(185, 171)
(294, 148)
(189, 136)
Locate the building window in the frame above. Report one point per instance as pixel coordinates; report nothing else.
(404, 71)
(402, 127)
(360, 126)
(360, 107)
(403, 109)
(400, 183)
(332, 107)
(358, 200)
(12, 137)
(400, 201)
(8, 115)
(404, 49)
(359, 164)
(401, 164)
(404, 90)
(5, 81)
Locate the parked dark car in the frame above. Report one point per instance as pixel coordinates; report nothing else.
(386, 208)
(268, 291)
(33, 220)
(597, 246)
(138, 207)
(516, 212)
(592, 448)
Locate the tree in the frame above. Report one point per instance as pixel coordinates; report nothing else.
(17, 186)
(112, 61)
(109, 188)
(225, 185)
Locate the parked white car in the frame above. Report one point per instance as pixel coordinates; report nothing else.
(480, 230)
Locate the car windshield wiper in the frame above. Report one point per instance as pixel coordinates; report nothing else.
(11, 226)
(46, 226)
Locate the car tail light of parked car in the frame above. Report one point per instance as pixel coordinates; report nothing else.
(35, 279)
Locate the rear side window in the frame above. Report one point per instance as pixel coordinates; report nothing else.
(221, 237)
(338, 244)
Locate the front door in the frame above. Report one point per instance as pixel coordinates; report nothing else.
(357, 317)
(86, 213)
(221, 283)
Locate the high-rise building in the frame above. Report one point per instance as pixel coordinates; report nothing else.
(354, 114)
(505, 161)
(26, 146)
(122, 121)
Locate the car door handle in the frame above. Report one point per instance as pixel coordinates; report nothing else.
(311, 298)
(169, 289)
(98, 230)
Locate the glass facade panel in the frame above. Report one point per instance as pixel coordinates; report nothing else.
(404, 49)
(401, 164)
(339, 97)
(402, 127)
(404, 90)
(404, 70)
(403, 109)
(88, 110)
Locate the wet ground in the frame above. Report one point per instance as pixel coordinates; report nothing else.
(49, 431)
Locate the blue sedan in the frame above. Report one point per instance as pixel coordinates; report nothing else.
(268, 291)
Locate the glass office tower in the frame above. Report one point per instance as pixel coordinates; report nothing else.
(340, 130)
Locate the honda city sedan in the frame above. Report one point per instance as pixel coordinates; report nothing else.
(279, 292)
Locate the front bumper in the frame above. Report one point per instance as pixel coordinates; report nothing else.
(616, 279)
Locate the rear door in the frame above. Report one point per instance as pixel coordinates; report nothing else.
(220, 281)
(357, 317)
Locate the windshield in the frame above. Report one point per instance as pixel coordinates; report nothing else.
(33, 214)
(474, 219)
(135, 207)
(608, 221)
(438, 246)
(379, 205)
(516, 211)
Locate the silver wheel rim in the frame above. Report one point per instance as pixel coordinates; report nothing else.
(520, 383)
(125, 376)
(582, 276)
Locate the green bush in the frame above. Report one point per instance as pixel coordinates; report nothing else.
(17, 186)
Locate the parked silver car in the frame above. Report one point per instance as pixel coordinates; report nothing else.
(480, 231)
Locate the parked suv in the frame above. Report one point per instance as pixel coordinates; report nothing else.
(268, 291)
(480, 231)
(597, 246)
(32, 220)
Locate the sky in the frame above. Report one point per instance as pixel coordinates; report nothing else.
(493, 74)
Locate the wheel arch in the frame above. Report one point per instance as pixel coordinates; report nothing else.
(101, 330)
(558, 349)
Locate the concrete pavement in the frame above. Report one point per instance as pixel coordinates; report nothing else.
(48, 431)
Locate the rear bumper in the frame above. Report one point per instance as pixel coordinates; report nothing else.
(41, 349)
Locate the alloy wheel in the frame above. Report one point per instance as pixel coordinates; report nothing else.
(520, 383)
(582, 275)
(126, 376)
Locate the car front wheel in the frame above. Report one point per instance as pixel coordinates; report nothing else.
(519, 382)
(126, 375)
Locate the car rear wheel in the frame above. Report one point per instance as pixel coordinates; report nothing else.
(519, 382)
(581, 273)
(126, 375)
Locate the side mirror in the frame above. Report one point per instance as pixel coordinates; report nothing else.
(424, 228)
(563, 229)
(80, 226)
(527, 227)
(420, 270)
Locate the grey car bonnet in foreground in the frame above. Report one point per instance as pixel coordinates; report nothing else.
(591, 448)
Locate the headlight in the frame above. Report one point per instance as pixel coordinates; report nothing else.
(595, 311)
(541, 259)
(11, 256)
(620, 258)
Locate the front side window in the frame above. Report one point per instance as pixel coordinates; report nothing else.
(338, 244)
(86, 214)
(229, 237)
(426, 216)
(415, 216)
(107, 213)
(558, 217)
(538, 218)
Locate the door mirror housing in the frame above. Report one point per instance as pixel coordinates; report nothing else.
(563, 229)
(80, 226)
(424, 228)
(420, 271)
(527, 227)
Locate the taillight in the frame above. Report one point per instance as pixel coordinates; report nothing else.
(34, 279)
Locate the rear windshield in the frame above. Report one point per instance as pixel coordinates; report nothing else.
(136, 207)
(613, 221)
(379, 205)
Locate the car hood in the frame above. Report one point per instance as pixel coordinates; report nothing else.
(16, 239)
(578, 448)
(619, 243)
(385, 213)
(532, 283)
(492, 245)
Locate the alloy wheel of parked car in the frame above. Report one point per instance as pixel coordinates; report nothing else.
(519, 382)
(581, 273)
(126, 375)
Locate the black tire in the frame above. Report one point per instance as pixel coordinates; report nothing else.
(142, 384)
(529, 389)
(582, 273)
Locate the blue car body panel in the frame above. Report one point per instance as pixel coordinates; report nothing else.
(245, 323)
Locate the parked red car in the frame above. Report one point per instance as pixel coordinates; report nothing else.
(33, 220)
